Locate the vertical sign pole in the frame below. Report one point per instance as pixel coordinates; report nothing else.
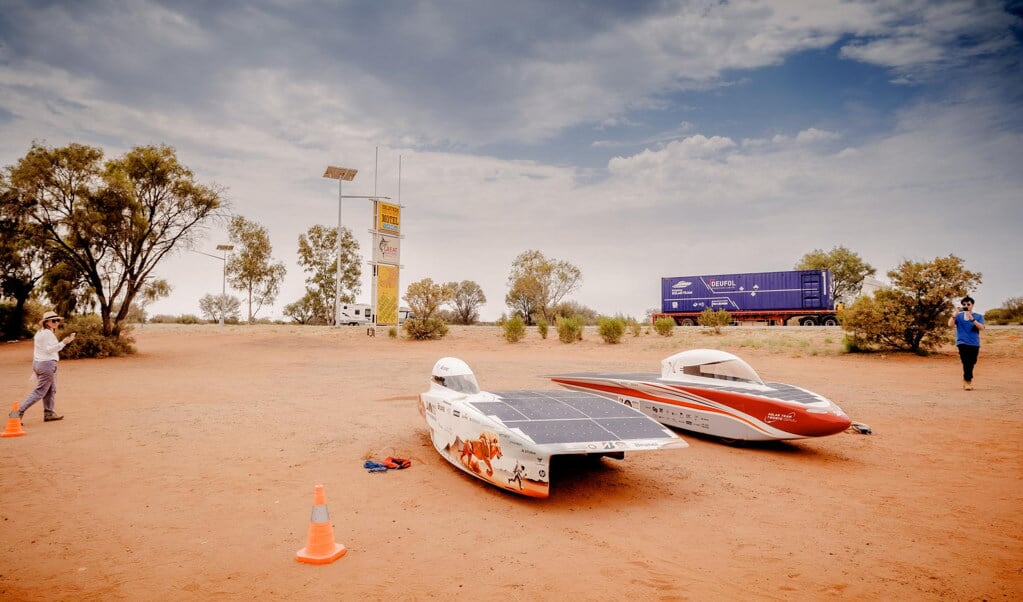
(337, 280)
(374, 293)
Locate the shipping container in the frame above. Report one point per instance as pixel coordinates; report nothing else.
(773, 297)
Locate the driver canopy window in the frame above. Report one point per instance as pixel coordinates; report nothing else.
(463, 383)
(726, 370)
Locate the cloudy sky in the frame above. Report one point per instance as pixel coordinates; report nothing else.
(635, 139)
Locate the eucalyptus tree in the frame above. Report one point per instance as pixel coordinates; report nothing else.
(251, 267)
(538, 283)
(317, 254)
(21, 258)
(468, 297)
(109, 224)
(848, 270)
(216, 308)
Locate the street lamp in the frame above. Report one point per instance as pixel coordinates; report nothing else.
(223, 282)
(341, 174)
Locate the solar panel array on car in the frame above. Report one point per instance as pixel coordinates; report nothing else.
(570, 417)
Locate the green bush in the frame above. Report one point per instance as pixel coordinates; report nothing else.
(611, 329)
(570, 330)
(182, 319)
(392, 332)
(664, 326)
(1003, 315)
(89, 340)
(541, 327)
(714, 319)
(425, 328)
(514, 329)
(1011, 312)
(888, 321)
(634, 326)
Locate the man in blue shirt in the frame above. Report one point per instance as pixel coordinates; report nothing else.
(968, 326)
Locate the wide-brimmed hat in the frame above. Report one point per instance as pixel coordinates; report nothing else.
(50, 316)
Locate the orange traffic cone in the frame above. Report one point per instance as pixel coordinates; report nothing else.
(320, 547)
(13, 423)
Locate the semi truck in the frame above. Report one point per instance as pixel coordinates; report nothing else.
(771, 297)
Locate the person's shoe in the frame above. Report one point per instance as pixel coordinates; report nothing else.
(968, 385)
(51, 416)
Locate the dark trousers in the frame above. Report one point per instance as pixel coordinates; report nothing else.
(968, 355)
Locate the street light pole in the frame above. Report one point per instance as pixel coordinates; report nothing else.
(337, 268)
(223, 282)
(341, 174)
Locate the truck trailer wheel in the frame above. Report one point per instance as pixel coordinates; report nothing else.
(807, 321)
(687, 322)
(829, 321)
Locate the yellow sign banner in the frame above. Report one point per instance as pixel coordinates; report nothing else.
(387, 295)
(388, 218)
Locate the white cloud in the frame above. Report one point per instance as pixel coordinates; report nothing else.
(894, 52)
(915, 37)
(811, 135)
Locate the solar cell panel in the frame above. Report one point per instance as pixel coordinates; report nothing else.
(569, 417)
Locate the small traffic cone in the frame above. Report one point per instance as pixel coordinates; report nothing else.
(320, 547)
(13, 423)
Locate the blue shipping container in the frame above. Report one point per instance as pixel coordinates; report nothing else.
(791, 290)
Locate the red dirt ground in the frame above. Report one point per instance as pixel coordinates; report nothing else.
(187, 472)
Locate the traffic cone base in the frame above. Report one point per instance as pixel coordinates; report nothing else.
(14, 428)
(308, 557)
(320, 546)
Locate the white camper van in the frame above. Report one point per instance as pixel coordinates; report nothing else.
(355, 314)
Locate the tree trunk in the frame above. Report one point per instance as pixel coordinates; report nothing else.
(104, 312)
